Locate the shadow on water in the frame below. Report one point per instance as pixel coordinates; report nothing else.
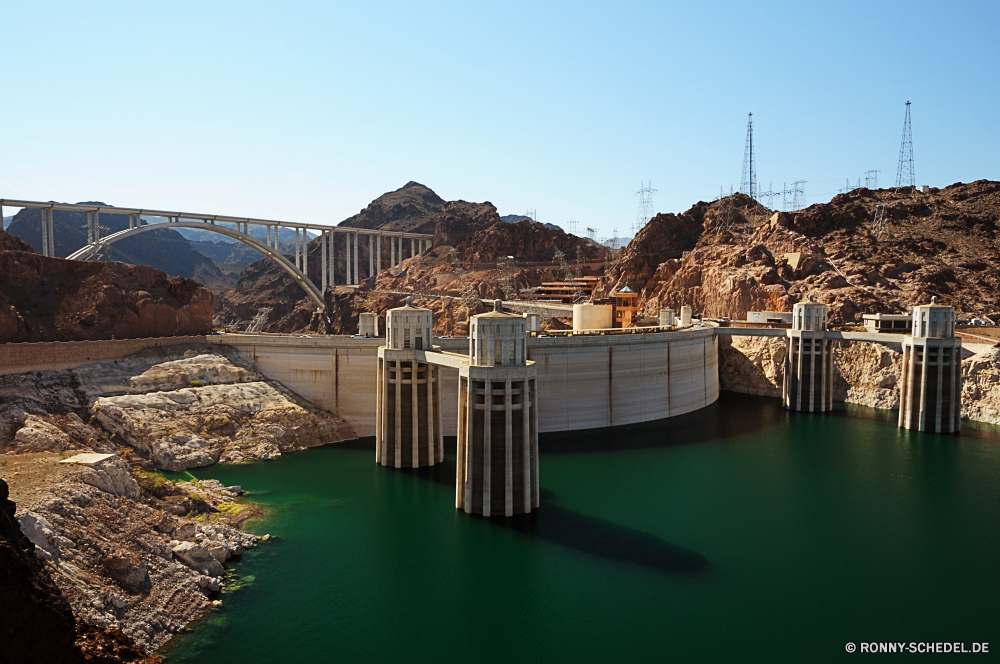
(583, 533)
(730, 416)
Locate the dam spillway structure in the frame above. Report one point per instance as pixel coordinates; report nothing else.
(931, 385)
(808, 383)
(497, 467)
(408, 430)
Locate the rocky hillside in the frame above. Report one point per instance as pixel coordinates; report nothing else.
(717, 259)
(163, 249)
(464, 232)
(53, 299)
(527, 241)
(413, 208)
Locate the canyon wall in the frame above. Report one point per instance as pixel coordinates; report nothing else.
(865, 373)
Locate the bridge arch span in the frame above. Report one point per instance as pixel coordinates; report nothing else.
(301, 279)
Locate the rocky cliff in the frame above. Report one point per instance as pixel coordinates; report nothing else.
(728, 257)
(53, 299)
(865, 373)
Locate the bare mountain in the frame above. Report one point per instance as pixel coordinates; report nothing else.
(943, 243)
(413, 208)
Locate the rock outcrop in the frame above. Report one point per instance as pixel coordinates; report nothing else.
(981, 387)
(865, 373)
(413, 208)
(175, 412)
(53, 299)
(728, 257)
(474, 229)
(122, 562)
(528, 242)
(37, 623)
(199, 426)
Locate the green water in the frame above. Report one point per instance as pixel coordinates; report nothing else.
(740, 533)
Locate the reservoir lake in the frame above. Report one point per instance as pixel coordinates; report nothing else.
(738, 533)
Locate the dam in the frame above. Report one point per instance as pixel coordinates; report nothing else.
(584, 382)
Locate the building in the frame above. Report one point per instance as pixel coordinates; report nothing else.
(626, 305)
(808, 382)
(764, 317)
(889, 323)
(408, 405)
(568, 291)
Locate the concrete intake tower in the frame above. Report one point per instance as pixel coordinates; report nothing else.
(932, 372)
(408, 432)
(497, 471)
(808, 384)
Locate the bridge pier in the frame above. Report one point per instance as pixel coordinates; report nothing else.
(931, 387)
(408, 430)
(497, 468)
(357, 272)
(808, 383)
(330, 250)
(322, 259)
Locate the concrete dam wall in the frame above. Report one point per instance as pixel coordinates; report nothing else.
(584, 382)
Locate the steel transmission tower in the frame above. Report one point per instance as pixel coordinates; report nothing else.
(871, 179)
(748, 182)
(904, 172)
(645, 212)
(799, 194)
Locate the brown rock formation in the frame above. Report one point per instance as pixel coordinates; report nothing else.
(525, 241)
(413, 208)
(459, 219)
(53, 299)
(940, 243)
(475, 229)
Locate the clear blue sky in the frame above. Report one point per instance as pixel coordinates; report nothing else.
(308, 111)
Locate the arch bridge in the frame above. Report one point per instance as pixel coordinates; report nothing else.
(295, 264)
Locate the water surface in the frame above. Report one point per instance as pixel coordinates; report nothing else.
(738, 533)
